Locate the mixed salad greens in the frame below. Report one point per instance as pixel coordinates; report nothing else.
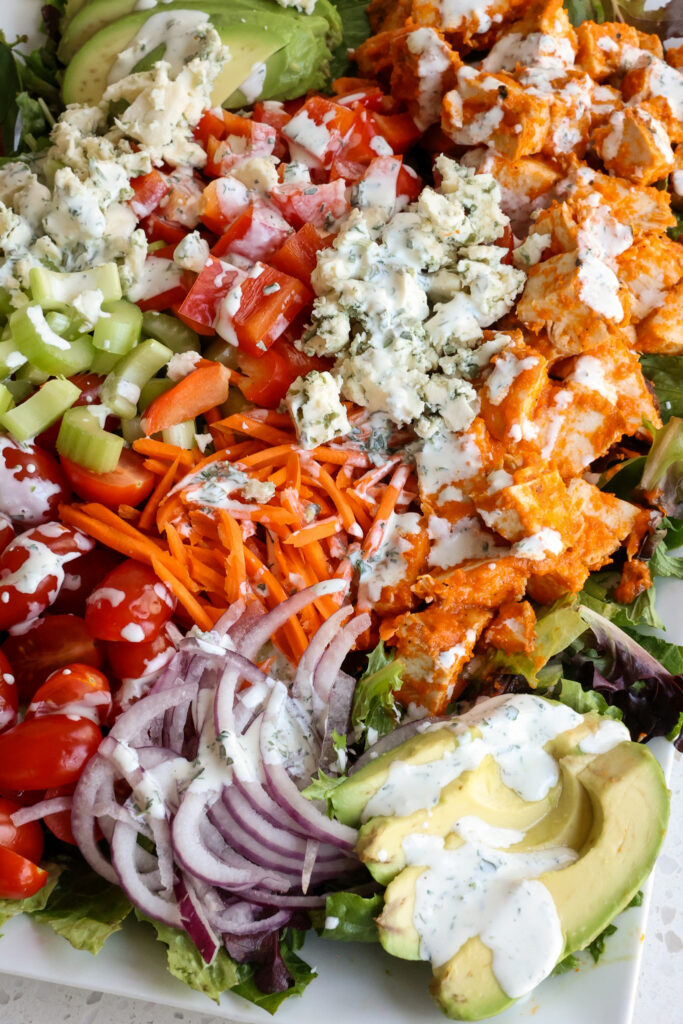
(592, 652)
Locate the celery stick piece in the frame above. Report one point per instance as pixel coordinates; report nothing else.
(180, 434)
(11, 358)
(66, 324)
(103, 363)
(44, 348)
(152, 389)
(6, 306)
(32, 374)
(41, 410)
(83, 440)
(170, 332)
(119, 331)
(19, 389)
(131, 430)
(6, 399)
(121, 390)
(52, 289)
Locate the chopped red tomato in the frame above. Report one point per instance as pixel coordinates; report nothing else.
(399, 130)
(255, 235)
(32, 485)
(268, 378)
(131, 603)
(81, 577)
(132, 661)
(409, 183)
(49, 644)
(44, 752)
(211, 123)
(9, 696)
(298, 255)
(26, 840)
(350, 91)
(271, 112)
(76, 690)
(149, 190)
(199, 309)
(244, 139)
(32, 570)
(128, 484)
(19, 876)
(320, 205)
(158, 229)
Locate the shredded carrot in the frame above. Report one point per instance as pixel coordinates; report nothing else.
(316, 531)
(375, 536)
(150, 510)
(244, 424)
(189, 603)
(162, 450)
(230, 536)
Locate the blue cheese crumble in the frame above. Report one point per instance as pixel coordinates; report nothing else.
(316, 409)
(402, 301)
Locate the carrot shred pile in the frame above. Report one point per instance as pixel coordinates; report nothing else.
(274, 520)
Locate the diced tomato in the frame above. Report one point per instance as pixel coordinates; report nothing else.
(268, 304)
(222, 202)
(165, 300)
(399, 130)
(81, 577)
(317, 143)
(199, 309)
(149, 190)
(349, 91)
(9, 695)
(181, 205)
(211, 123)
(348, 171)
(255, 235)
(128, 484)
(26, 840)
(131, 603)
(32, 570)
(19, 876)
(320, 205)
(268, 378)
(158, 229)
(49, 644)
(298, 255)
(359, 146)
(409, 183)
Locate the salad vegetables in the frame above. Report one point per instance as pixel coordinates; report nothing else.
(340, 446)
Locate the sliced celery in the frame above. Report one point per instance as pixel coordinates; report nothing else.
(170, 332)
(180, 434)
(119, 331)
(55, 290)
(220, 351)
(103, 362)
(32, 374)
(83, 440)
(152, 389)
(6, 306)
(131, 430)
(41, 410)
(19, 389)
(69, 325)
(11, 359)
(44, 348)
(121, 390)
(6, 399)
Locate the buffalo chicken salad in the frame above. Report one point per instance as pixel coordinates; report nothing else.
(340, 452)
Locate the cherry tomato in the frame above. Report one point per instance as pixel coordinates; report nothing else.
(44, 752)
(81, 577)
(128, 484)
(32, 570)
(27, 839)
(131, 661)
(49, 644)
(32, 484)
(9, 695)
(7, 531)
(19, 877)
(131, 603)
(74, 690)
(60, 822)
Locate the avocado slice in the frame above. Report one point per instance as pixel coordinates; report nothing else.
(93, 15)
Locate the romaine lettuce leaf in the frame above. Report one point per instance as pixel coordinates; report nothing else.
(286, 974)
(185, 962)
(84, 908)
(666, 375)
(349, 917)
(374, 711)
(10, 908)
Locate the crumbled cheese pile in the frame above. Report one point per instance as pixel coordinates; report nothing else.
(403, 300)
(68, 208)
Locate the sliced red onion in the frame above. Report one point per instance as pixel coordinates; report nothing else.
(312, 848)
(195, 921)
(302, 686)
(41, 809)
(288, 840)
(123, 850)
(330, 664)
(276, 899)
(96, 780)
(254, 640)
(229, 920)
(236, 668)
(393, 739)
(131, 725)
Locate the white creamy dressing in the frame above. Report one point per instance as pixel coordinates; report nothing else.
(589, 371)
(176, 32)
(26, 500)
(445, 458)
(252, 87)
(599, 288)
(456, 13)
(433, 63)
(472, 884)
(220, 480)
(44, 331)
(386, 568)
(157, 276)
(505, 371)
(110, 595)
(453, 543)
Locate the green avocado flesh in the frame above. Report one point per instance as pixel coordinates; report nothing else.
(295, 47)
(610, 808)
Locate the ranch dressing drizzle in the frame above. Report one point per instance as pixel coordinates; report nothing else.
(513, 730)
(476, 888)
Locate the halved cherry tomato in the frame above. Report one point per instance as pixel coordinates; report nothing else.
(32, 485)
(9, 695)
(19, 877)
(132, 661)
(131, 603)
(27, 839)
(79, 690)
(128, 484)
(267, 378)
(49, 644)
(81, 577)
(32, 570)
(7, 531)
(45, 752)
(59, 823)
